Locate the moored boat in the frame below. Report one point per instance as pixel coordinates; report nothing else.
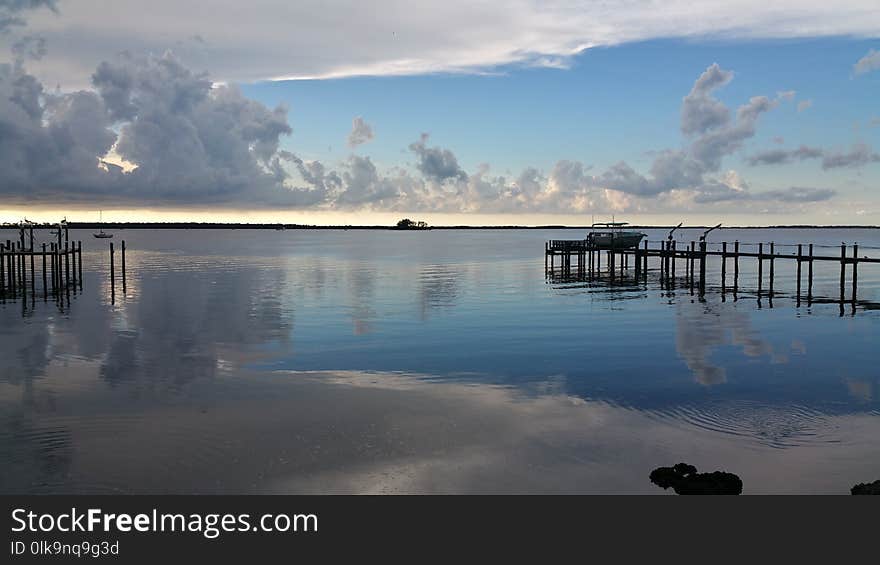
(102, 234)
(611, 235)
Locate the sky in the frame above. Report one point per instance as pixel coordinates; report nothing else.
(345, 112)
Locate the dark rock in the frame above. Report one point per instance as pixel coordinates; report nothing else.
(684, 479)
(866, 488)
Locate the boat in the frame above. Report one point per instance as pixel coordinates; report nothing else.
(611, 235)
(102, 234)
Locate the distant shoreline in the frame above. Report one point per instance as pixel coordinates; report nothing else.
(264, 226)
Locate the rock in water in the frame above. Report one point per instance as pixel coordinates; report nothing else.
(684, 479)
(866, 488)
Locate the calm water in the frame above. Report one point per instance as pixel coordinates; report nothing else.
(437, 361)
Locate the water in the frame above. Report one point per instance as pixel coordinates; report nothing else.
(435, 361)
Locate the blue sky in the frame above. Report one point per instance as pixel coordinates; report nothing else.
(613, 103)
(535, 112)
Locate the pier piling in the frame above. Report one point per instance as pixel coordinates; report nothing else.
(112, 275)
(855, 272)
(772, 262)
(580, 264)
(760, 268)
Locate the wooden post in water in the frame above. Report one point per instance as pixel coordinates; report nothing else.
(45, 287)
(855, 273)
(800, 258)
(54, 274)
(760, 268)
(772, 257)
(810, 277)
(2, 270)
(702, 266)
(73, 263)
(79, 263)
(66, 266)
(842, 269)
(113, 274)
(8, 267)
(33, 278)
(611, 256)
(723, 266)
(10, 264)
(735, 267)
(22, 270)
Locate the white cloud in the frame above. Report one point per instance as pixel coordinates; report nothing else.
(152, 132)
(311, 38)
(804, 104)
(870, 62)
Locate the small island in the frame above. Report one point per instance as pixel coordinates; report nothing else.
(407, 224)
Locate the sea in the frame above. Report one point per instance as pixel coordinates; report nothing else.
(437, 361)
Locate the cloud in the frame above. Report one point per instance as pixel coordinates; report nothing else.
(187, 139)
(153, 132)
(781, 156)
(859, 155)
(713, 135)
(436, 163)
(870, 62)
(804, 104)
(720, 192)
(361, 132)
(11, 10)
(301, 39)
(700, 111)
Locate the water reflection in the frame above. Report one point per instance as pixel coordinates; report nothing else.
(703, 328)
(439, 288)
(414, 371)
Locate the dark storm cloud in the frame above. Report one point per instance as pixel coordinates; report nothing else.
(191, 141)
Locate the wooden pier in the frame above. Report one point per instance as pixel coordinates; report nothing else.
(59, 271)
(578, 257)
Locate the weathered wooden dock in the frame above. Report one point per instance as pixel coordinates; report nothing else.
(578, 256)
(53, 269)
(60, 270)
